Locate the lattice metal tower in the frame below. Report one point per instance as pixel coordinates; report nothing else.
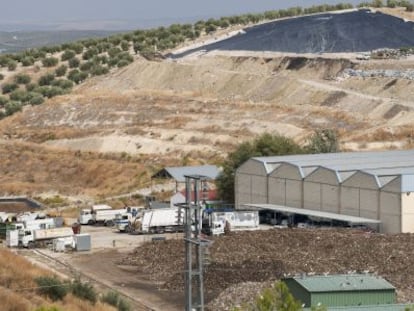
(194, 244)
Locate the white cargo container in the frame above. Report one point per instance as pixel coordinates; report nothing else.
(60, 244)
(215, 222)
(107, 217)
(46, 223)
(83, 242)
(12, 238)
(29, 216)
(238, 219)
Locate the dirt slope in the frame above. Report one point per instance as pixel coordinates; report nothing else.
(196, 109)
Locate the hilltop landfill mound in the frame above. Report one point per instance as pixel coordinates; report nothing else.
(196, 109)
(243, 263)
(354, 31)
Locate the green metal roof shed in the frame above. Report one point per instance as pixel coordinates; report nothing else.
(341, 290)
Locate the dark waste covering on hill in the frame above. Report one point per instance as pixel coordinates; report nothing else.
(355, 31)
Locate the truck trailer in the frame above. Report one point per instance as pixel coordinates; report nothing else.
(39, 237)
(158, 221)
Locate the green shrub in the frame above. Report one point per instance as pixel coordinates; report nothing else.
(3, 101)
(51, 49)
(9, 87)
(61, 70)
(111, 298)
(123, 305)
(123, 63)
(11, 107)
(114, 51)
(77, 76)
(20, 95)
(49, 91)
(103, 46)
(31, 86)
(46, 79)
(91, 52)
(99, 70)
(1, 76)
(76, 47)
(86, 66)
(22, 79)
(37, 99)
(12, 65)
(51, 308)
(124, 45)
(28, 61)
(73, 62)
(52, 287)
(50, 61)
(126, 56)
(68, 54)
(83, 291)
(63, 83)
(36, 53)
(4, 60)
(113, 61)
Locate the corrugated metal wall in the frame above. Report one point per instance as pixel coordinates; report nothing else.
(359, 195)
(287, 179)
(251, 183)
(353, 298)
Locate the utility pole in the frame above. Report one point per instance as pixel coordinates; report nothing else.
(194, 290)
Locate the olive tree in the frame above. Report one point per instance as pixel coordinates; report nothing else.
(264, 145)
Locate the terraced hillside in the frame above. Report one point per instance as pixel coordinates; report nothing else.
(197, 108)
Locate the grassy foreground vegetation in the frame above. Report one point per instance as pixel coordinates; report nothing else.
(75, 62)
(26, 287)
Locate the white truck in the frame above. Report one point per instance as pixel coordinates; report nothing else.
(40, 237)
(158, 221)
(103, 214)
(123, 220)
(216, 222)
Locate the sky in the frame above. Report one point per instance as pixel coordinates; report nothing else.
(130, 13)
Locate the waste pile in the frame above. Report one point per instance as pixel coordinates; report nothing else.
(265, 256)
(381, 73)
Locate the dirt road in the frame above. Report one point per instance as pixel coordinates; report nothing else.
(126, 280)
(101, 267)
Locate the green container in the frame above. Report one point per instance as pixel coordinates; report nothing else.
(4, 227)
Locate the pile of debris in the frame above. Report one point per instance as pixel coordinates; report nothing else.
(380, 73)
(266, 256)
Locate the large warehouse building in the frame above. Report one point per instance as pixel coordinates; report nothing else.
(357, 187)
